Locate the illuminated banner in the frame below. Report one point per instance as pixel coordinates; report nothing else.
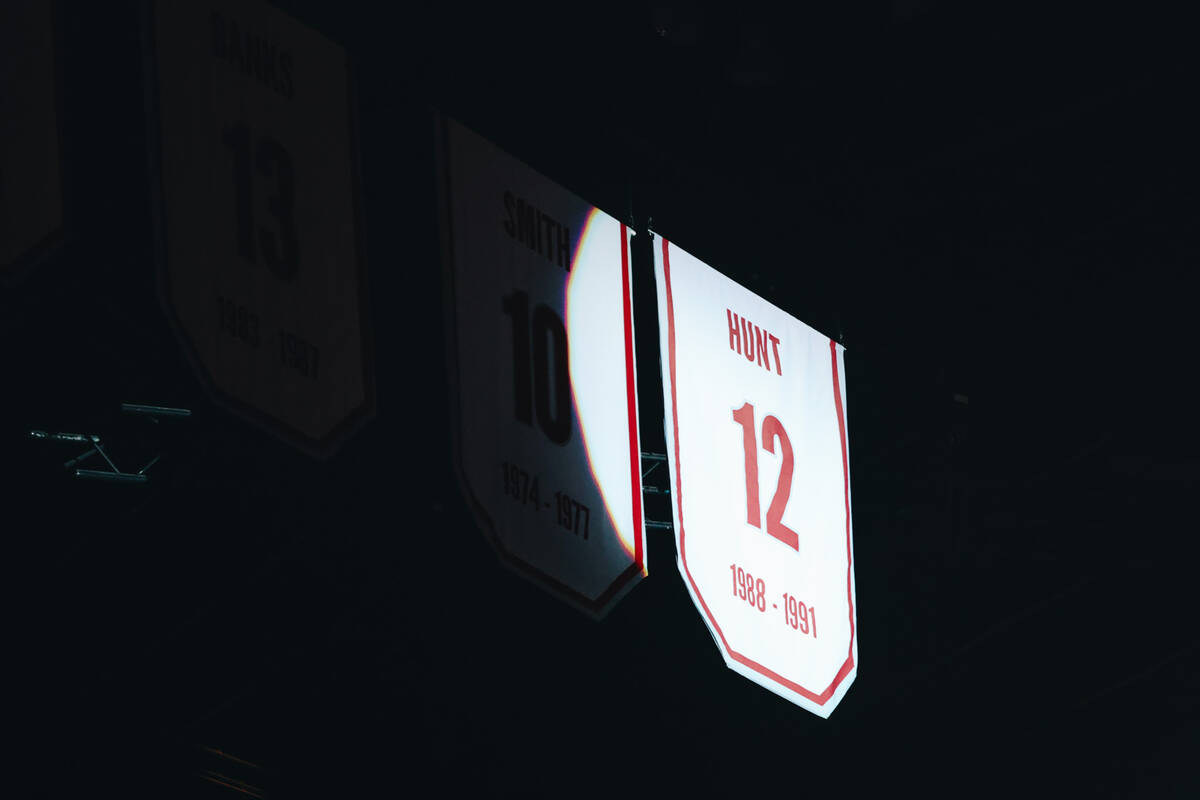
(755, 406)
(31, 201)
(261, 262)
(542, 373)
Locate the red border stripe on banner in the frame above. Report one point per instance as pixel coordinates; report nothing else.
(823, 697)
(635, 455)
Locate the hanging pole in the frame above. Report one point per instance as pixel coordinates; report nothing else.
(154, 412)
(656, 459)
(111, 477)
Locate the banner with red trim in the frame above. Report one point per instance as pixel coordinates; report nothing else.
(542, 372)
(755, 417)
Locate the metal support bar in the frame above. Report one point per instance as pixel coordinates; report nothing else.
(64, 437)
(657, 458)
(114, 477)
(87, 454)
(155, 411)
(104, 455)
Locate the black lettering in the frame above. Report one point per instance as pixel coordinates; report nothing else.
(220, 49)
(537, 230)
(526, 222)
(285, 66)
(236, 55)
(564, 247)
(270, 54)
(253, 55)
(510, 224)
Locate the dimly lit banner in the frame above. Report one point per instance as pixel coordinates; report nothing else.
(755, 404)
(255, 170)
(542, 371)
(31, 202)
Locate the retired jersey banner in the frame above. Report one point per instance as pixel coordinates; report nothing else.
(755, 417)
(254, 164)
(542, 372)
(31, 196)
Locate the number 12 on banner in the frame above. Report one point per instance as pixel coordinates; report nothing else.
(772, 429)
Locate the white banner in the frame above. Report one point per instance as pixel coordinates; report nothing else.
(542, 368)
(31, 197)
(258, 215)
(755, 421)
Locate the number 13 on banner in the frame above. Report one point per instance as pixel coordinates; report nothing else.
(257, 204)
(755, 412)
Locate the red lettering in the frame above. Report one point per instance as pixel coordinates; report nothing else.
(775, 347)
(751, 341)
(760, 350)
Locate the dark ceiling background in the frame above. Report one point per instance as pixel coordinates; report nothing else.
(994, 202)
